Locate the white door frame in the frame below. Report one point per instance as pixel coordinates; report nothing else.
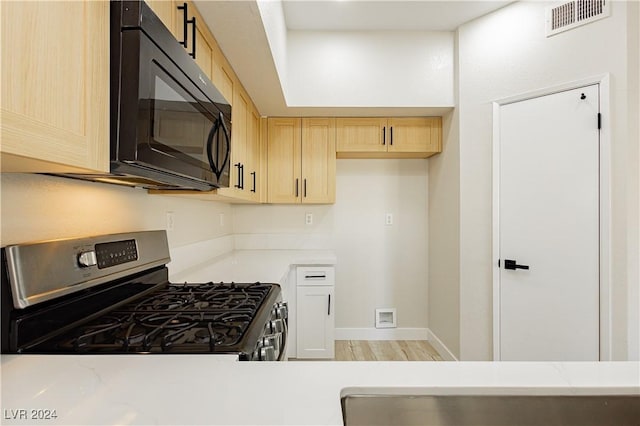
(605, 206)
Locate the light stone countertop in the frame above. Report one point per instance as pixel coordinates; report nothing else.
(204, 389)
(201, 389)
(253, 265)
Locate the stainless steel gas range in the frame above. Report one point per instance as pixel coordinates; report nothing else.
(111, 295)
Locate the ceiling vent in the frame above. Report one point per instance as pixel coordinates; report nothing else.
(573, 14)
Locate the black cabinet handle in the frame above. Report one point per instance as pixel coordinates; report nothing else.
(241, 176)
(254, 181)
(311, 277)
(296, 188)
(192, 21)
(384, 135)
(304, 189)
(184, 24)
(511, 264)
(329, 307)
(391, 134)
(238, 185)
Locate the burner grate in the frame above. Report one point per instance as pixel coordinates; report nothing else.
(179, 318)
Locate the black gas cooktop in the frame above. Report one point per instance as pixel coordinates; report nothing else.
(178, 318)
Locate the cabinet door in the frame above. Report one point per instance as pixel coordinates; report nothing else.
(361, 134)
(203, 49)
(318, 160)
(315, 323)
(238, 175)
(204, 53)
(223, 75)
(414, 134)
(254, 168)
(283, 159)
(55, 90)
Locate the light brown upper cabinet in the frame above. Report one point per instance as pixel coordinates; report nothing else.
(256, 169)
(246, 166)
(398, 137)
(223, 76)
(55, 90)
(192, 33)
(301, 160)
(186, 24)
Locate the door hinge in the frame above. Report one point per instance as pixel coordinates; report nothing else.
(599, 121)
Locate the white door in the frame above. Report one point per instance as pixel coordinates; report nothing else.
(549, 222)
(315, 321)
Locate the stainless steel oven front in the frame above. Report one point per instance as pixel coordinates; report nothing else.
(110, 294)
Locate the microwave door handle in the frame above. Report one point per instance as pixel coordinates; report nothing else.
(228, 142)
(212, 133)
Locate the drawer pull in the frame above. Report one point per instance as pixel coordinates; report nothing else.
(315, 277)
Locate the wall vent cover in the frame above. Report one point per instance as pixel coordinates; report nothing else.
(573, 14)
(386, 318)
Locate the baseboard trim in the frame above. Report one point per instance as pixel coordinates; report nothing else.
(442, 349)
(381, 334)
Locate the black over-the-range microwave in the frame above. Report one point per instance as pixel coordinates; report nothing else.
(170, 127)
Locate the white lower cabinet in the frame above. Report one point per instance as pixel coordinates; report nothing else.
(315, 306)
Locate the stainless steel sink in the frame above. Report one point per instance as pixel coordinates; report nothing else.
(400, 407)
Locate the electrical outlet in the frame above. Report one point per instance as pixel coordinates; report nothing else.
(221, 220)
(388, 219)
(308, 219)
(170, 221)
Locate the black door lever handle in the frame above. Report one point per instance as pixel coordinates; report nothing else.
(511, 264)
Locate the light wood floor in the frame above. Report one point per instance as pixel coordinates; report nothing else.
(385, 350)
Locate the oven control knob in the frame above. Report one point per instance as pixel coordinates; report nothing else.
(87, 258)
(272, 340)
(267, 353)
(282, 312)
(282, 305)
(276, 326)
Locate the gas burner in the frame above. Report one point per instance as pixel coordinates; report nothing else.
(165, 302)
(203, 335)
(166, 321)
(130, 335)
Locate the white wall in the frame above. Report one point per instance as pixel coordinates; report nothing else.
(504, 54)
(369, 68)
(633, 192)
(37, 207)
(378, 265)
(444, 238)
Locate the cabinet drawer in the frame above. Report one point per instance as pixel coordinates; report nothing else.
(315, 275)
